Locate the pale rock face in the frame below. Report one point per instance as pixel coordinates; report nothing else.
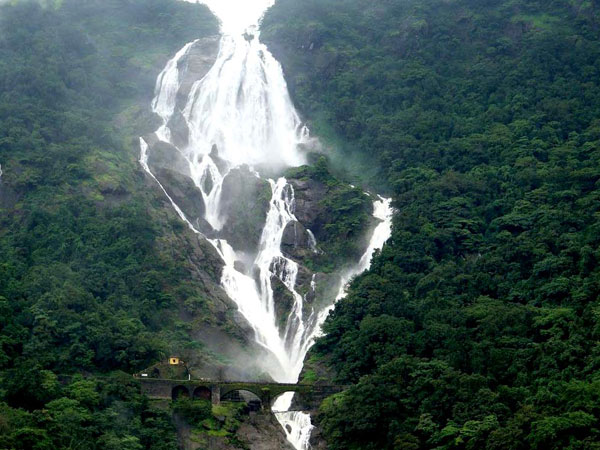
(244, 205)
(163, 155)
(195, 64)
(179, 129)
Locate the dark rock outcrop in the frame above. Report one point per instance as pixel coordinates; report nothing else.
(162, 155)
(257, 431)
(284, 301)
(263, 432)
(337, 214)
(245, 202)
(195, 65)
(304, 284)
(179, 129)
(296, 241)
(219, 162)
(308, 211)
(186, 195)
(317, 440)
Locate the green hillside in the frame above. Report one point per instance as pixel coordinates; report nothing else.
(478, 325)
(93, 277)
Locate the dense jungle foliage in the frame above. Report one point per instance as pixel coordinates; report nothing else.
(85, 293)
(478, 324)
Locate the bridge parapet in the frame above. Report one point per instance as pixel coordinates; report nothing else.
(170, 389)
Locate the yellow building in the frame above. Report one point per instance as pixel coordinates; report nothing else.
(175, 361)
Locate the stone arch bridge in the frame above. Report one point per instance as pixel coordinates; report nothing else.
(216, 391)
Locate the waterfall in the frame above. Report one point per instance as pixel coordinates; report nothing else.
(239, 114)
(297, 424)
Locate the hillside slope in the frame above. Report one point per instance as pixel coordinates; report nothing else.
(98, 276)
(477, 325)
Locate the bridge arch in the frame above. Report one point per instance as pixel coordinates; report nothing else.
(229, 391)
(202, 392)
(255, 402)
(179, 391)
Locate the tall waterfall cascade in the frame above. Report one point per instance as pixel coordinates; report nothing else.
(239, 115)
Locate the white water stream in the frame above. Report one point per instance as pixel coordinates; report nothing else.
(242, 108)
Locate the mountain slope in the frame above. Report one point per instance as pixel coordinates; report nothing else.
(98, 276)
(477, 325)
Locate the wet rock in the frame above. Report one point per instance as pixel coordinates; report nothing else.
(283, 300)
(338, 215)
(245, 202)
(184, 193)
(162, 155)
(317, 440)
(201, 224)
(263, 432)
(303, 283)
(179, 129)
(296, 241)
(240, 267)
(151, 139)
(219, 162)
(309, 212)
(241, 322)
(208, 184)
(195, 65)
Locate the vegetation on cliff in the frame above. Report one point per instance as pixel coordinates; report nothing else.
(477, 325)
(337, 213)
(91, 274)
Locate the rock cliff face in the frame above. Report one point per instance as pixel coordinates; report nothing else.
(259, 431)
(183, 191)
(321, 203)
(309, 209)
(198, 61)
(333, 219)
(284, 301)
(263, 432)
(179, 129)
(171, 169)
(245, 202)
(163, 155)
(297, 243)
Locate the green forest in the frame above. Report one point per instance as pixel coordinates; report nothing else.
(87, 293)
(478, 324)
